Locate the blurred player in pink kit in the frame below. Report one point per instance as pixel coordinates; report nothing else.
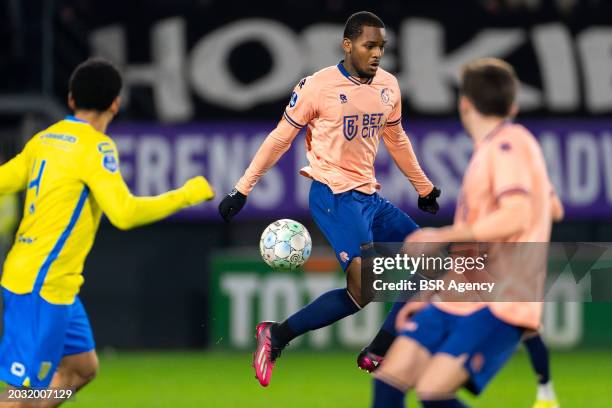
(347, 109)
(506, 197)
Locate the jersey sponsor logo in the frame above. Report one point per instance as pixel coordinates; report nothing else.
(368, 125)
(343, 98)
(302, 82)
(293, 100)
(60, 137)
(110, 163)
(350, 126)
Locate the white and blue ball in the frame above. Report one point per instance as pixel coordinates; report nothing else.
(285, 245)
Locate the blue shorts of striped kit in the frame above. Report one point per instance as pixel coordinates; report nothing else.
(36, 335)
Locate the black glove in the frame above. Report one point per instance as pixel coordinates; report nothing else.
(429, 203)
(231, 204)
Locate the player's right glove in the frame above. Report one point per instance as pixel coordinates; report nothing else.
(231, 204)
(429, 203)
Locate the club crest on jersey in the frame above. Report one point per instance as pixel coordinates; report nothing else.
(343, 98)
(293, 100)
(385, 96)
(349, 126)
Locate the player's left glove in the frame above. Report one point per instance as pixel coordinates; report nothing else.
(231, 204)
(429, 203)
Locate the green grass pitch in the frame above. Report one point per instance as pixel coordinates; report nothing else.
(192, 379)
(325, 379)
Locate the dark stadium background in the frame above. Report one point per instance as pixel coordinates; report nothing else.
(151, 287)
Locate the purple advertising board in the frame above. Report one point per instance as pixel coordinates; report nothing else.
(158, 157)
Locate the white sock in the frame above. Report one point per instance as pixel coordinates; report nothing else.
(546, 391)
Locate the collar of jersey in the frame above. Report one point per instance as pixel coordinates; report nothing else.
(351, 78)
(496, 130)
(73, 118)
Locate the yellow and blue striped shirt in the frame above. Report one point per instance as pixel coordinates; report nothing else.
(70, 172)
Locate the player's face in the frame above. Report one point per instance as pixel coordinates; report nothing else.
(367, 50)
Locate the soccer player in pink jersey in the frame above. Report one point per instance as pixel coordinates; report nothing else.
(506, 197)
(347, 109)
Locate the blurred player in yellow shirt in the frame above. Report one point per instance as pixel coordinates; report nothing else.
(9, 216)
(70, 172)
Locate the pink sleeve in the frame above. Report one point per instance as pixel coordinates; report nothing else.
(302, 106)
(300, 110)
(510, 169)
(395, 117)
(270, 151)
(400, 148)
(510, 218)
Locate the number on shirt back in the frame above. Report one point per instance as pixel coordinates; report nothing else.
(35, 182)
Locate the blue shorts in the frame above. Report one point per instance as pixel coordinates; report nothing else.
(36, 335)
(488, 341)
(352, 219)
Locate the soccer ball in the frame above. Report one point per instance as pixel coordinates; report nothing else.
(285, 245)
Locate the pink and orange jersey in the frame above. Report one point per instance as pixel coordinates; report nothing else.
(508, 162)
(345, 120)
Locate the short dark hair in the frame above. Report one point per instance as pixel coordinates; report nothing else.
(95, 84)
(491, 85)
(354, 25)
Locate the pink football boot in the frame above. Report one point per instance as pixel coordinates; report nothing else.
(265, 354)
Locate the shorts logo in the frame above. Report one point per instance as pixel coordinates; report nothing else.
(477, 362)
(505, 147)
(343, 256)
(343, 98)
(349, 126)
(45, 368)
(385, 96)
(18, 369)
(293, 100)
(411, 326)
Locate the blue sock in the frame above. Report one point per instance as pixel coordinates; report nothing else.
(385, 336)
(386, 396)
(538, 354)
(449, 403)
(323, 311)
(389, 323)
